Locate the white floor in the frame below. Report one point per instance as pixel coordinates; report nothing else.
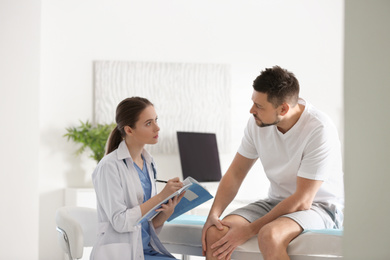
(190, 257)
(87, 252)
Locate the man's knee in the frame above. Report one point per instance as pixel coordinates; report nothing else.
(214, 234)
(267, 237)
(278, 234)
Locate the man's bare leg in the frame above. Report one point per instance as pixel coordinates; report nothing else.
(213, 235)
(274, 238)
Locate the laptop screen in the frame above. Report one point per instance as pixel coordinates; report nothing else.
(199, 156)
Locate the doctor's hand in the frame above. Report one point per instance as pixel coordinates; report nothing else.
(172, 186)
(168, 208)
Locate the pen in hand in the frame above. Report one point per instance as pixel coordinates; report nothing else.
(161, 181)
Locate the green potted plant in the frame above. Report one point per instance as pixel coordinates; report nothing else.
(90, 136)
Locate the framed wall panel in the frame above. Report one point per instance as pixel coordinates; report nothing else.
(187, 97)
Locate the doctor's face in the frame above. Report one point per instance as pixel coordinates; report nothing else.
(264, 112)
(146, 129)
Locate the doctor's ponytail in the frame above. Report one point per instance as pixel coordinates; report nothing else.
(127, 114)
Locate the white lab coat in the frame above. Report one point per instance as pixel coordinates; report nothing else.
(119, 193)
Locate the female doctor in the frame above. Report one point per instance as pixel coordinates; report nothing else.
(124, 182)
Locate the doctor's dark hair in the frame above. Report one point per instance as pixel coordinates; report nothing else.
(279, 84)
(127, 114)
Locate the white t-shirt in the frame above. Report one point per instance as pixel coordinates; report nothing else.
(310, 149)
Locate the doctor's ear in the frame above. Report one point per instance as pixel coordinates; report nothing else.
(128, 130)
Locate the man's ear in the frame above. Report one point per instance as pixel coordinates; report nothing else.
(128, 130)
(284, 109)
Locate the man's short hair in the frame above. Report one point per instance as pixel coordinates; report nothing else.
(279, 84)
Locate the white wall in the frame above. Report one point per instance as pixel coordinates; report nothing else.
(19, 138)
(367, 128)
(304, 36)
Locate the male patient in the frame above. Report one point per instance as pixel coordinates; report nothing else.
(300, 151)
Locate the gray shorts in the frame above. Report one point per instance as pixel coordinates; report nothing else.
(319, 216)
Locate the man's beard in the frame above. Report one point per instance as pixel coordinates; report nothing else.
(262, 124)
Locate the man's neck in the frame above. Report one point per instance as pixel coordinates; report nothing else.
(291, 118)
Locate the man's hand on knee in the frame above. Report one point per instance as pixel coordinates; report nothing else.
(212, 221)
(237, 233)
(213, 235)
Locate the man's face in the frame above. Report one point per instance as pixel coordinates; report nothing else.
(264, 112)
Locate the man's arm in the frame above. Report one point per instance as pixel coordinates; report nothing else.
(227, 190)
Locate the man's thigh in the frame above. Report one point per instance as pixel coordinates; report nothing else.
(255, 210)
(236, 219)
(285, 228)
(314, 218)
(317, 217)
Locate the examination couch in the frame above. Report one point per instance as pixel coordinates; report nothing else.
(183, 236)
